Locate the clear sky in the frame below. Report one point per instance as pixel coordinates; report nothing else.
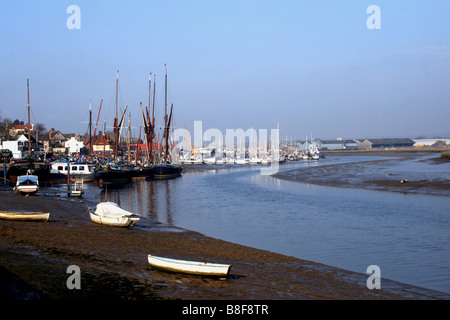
(314, 65)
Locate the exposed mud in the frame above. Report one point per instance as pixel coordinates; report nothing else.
(383, 174)
(34, 257)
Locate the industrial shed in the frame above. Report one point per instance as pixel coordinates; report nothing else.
(339, 144)
(384, 143)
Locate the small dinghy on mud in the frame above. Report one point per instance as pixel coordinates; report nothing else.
(25, 215)
(190, 267)
(109, 213)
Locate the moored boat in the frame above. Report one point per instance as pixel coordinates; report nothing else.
(113, 175)
(25, 215)
(109, 213)
(143, 173)
(30, 164)
(189, 267)
(77, 189)
(146, 172)
(240, 160)
(196, 159)
(210, 160)
(166, 171)
(18, 168)
(255, 160)
(77, 171)
(27, 184)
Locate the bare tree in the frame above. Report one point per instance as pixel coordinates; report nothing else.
(40, 127)
(4, 124)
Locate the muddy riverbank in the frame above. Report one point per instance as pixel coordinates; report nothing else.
(406, 172)
(34, 257)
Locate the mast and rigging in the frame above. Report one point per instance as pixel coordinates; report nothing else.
(28, 107)
(149, 123)
(96, 124)
(152, 121)
(167, 120)
(116, 131)
(166, 149)
(165, 170)
(90, 128)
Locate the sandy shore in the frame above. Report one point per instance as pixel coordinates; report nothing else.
(34, 257)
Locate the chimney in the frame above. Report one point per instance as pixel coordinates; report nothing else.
(50, 133)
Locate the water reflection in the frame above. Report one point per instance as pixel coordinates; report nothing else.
(152, 201)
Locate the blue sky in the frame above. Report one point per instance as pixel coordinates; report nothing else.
(314, 65)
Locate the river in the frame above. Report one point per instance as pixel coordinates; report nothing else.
(406, 235)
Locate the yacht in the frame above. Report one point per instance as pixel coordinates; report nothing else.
(77, 171)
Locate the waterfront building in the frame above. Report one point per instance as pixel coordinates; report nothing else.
(338, 144)
(102, 146)
(18, 129)
(73, 146)
(384, 143)
(20, 147)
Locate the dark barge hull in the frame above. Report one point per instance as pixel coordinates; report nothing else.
(166, 171)
(113, 176)
(41, 169)
(145, 172)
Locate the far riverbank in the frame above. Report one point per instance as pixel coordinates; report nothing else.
(396, 171)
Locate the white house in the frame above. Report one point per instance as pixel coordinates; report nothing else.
(17, 147)
(73, 145)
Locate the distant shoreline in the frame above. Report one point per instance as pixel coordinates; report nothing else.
(387, 150)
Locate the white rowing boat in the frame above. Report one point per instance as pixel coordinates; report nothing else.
(189, 267)
(110, 213)
(25, 215)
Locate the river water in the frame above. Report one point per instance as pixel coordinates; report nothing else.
(406, 235)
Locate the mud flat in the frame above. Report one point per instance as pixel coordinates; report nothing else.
(34, 257)
(383, 174)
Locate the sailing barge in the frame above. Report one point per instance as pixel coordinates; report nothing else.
(166, 170)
